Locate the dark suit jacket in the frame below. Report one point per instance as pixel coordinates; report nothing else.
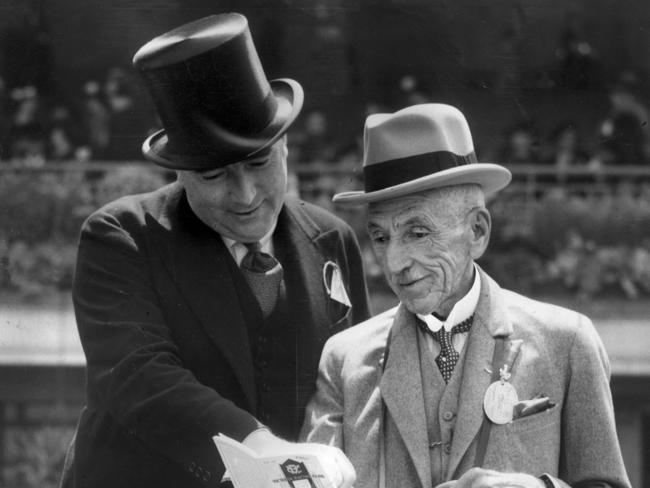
(168, 358)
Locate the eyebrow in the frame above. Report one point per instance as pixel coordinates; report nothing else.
(416, 221)
(411, 221)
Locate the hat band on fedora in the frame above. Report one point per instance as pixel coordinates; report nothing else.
(395, 171)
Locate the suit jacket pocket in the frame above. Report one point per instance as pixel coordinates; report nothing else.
(529, 444)
(538, 421)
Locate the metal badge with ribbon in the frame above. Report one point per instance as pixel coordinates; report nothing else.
(501, 396)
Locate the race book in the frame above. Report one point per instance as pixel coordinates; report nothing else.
(246, 469)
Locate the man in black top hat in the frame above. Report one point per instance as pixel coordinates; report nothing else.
(203, 306)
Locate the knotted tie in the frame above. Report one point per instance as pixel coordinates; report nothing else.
(264, 275)
(448, 356)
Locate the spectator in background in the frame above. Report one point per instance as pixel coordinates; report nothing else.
(623, 134)
(4, 117)
(521, 145)
(564, 148)
(27, 134)
(65, 139)
(126, 121)
(97, 119)
(577, 59)
(411, 91)
(312, 141)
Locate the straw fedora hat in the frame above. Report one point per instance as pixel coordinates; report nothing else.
(419, 148)
(214, 100)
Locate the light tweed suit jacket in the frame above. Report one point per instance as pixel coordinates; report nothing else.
(361, 387)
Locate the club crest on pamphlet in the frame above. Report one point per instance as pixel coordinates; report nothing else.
(297, 474)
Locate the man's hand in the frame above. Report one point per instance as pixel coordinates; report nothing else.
(266, 444)
(337, 466)
(487, 478)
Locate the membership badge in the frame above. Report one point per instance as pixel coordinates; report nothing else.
(500, 398)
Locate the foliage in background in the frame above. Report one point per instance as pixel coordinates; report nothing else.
(34, 455)
(40, 218)
(557, 243)
(588, 245)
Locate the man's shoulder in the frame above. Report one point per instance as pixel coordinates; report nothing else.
(136, 207)
(364, 337)
(541, 317)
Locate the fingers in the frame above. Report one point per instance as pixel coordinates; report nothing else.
(447, 484)
(348, 474)
(335, 463)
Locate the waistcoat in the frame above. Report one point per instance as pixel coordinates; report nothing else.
(276, 344)
(440, 407)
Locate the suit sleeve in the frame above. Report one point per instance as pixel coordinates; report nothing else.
(590, 455)
(134, 370)
(324, 414)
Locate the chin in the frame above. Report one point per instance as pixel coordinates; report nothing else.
(422, 306)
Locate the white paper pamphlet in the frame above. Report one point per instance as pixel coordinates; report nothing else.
(246, 469)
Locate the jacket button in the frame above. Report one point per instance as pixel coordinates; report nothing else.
(447, 448)
(448, 415)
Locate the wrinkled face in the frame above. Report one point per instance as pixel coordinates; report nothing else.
(424, 249)
(240, 201)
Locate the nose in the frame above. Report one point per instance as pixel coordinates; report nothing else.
(242, 188)
(397, 257)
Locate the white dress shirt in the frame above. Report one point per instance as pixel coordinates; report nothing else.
(463, 309)
(238, 250)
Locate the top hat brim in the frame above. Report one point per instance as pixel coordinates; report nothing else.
(491, 177)
(289, 95)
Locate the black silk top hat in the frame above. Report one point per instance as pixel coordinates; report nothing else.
(214, 100)
(419, 148)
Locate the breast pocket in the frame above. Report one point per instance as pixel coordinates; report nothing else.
(529, 444)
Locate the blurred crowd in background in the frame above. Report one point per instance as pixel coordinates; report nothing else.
(107, 118)
(43, 119)
(37, 127)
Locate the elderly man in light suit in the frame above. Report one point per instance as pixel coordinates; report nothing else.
(463, 384)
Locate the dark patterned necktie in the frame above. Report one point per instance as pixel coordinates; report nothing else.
(448, 356)
(264, 276)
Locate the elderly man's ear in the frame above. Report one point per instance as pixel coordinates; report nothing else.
(480, 226)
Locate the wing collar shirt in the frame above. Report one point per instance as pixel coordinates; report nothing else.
(238, 250)
(462, 310)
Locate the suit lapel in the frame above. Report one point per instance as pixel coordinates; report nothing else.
(490, 321)
(401, 390)
(198, 260)
(306, 244)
